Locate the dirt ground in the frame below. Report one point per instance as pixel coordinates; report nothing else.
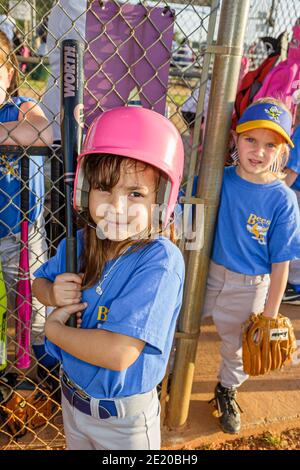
(270, 403)
(286, 440)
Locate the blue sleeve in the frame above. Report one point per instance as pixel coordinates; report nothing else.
(53, 350)
(19, 100)
(294, 158)
(55, 265)
(149, 305)
(284, 242)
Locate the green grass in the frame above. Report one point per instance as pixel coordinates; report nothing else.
(33, 88)
(272, 440)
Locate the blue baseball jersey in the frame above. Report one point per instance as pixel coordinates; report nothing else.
(258, 224)
(141, 298)
(294, 158)
(10, 182)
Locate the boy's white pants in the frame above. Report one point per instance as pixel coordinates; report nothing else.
(230, 299)
(139, 432)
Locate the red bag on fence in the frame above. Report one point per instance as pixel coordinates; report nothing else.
(250, 85)
(283, 81)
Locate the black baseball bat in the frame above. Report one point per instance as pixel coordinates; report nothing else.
(57, 201)
(71, 133)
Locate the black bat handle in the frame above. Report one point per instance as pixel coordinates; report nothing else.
(72, 110)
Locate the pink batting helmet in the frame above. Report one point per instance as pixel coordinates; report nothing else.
(140, 134)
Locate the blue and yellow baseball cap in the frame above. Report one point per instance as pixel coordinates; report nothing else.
(266, 116)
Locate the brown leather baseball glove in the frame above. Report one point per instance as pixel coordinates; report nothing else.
(268, 343)
(23, 404)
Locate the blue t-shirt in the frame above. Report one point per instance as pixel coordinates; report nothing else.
(294, 158)
(258, 224)
(141, 298)
(10, 171)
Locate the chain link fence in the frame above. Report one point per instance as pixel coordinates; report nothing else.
(158, 59)
(269, 19)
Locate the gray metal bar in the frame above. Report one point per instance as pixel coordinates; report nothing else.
(223, 90)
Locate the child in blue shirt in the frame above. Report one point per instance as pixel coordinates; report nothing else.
(257, 234)
(130, 285)
(22, 122)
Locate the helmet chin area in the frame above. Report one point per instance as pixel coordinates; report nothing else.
(81, 190)
(163, 198)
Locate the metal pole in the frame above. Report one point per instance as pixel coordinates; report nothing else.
(33, 24)
(228, 52)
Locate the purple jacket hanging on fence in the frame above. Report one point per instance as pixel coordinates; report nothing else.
(283, 81)
(129, 47)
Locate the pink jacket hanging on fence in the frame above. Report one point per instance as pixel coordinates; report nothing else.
(129, 47)
(283, 81)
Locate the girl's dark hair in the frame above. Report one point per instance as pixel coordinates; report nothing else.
(9, 60)
(105, 171)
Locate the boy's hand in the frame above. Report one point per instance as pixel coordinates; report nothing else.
(66, 289)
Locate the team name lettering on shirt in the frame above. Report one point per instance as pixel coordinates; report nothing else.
(258, 228)
(102, 313)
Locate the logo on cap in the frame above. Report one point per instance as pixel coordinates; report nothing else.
(274, 113)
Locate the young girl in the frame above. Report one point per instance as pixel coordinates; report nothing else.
(22, 122)
(130, 285)
(257, 234)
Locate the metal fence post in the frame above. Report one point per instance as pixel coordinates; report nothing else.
(228, 52)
